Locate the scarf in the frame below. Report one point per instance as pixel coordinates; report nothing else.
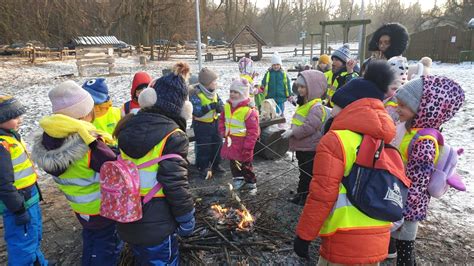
(209, 94)
(61, 126)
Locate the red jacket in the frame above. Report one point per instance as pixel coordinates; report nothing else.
(241, 148)
(356, 246)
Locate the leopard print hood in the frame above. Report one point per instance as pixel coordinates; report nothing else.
(441, 100)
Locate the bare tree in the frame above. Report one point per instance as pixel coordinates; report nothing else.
(281, 15)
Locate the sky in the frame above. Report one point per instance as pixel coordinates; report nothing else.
(425, 4)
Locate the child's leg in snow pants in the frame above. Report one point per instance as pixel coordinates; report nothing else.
(305, 165)
(23, 241)
(101, 246)
(245, 170)
(166, 253)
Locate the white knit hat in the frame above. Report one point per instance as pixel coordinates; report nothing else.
(68, 98)
(276, 59)
(241, 86)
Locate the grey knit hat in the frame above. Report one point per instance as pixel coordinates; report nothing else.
(300, 81)
(207, 76)
(10, 108)
(343, 53)
(411, 93)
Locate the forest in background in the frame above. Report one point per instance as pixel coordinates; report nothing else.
(55, 22)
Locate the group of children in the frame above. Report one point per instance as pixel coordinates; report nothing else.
(85, 131)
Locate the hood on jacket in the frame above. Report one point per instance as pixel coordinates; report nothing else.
(139, 79)
(143, 131)
(441, 100)
(398, 39)
(366, 116)
(57, 158)
(316, 83)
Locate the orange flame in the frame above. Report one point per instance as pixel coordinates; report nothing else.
(219, 209)
(246, 219)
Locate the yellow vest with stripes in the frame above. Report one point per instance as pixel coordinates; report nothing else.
(23, 171)
(210, 116)
(332, 85)
(302, 112)
(391, 103)
(109, 120)
(344, 216)
(405, 144)
(148, 175)
(80, 185)
(235, 121)
(285, 84)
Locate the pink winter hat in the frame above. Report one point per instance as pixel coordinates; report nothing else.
(70, 99)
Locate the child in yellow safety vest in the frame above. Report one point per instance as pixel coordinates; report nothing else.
(400, 67)
(106, 116)
(240, 128)
(305, 131)
(19, 192)
(72, 150)
(424, 103)
(207, 106)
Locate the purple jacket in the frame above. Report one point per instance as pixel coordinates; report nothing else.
(306, 137)
(441, 99)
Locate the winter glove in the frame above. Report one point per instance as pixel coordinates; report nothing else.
(186, 224)
(288, 133)
(301, 247)
(22, 218)
(213, 106)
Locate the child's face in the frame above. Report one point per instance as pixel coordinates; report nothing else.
(391, 91)
(213, 86)
(336, 64)
(12, 124)
(234, 95)
(137, 92)
(302, 91)
(323, 66)
(276, 67)
(404, 112)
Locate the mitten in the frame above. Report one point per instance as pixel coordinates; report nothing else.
(301, 247)
(288, 133)
(22, 218)
(186, 224)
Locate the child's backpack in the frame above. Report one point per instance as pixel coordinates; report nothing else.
(377, 184)
(444, 175)
(120, 189)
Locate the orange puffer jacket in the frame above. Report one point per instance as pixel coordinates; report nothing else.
(355, 246)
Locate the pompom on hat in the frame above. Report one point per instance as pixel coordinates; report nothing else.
(169, 92)
(10, 108)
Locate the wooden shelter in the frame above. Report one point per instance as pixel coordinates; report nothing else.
(247, 41)
(95, 51)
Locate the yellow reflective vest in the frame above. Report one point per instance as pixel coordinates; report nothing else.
(109, 120)
(235, 121)
(148, 174)
(405, 144)
(210, 116)
(24, 173)
(302, 112)
(80, 185)
(344, 216)
(332, 85)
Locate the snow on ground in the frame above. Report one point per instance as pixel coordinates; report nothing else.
(31, 83)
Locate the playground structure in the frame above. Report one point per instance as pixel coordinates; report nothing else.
(247, 41)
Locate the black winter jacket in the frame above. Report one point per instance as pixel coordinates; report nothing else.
(139, 135)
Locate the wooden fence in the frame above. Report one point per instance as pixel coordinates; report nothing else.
(94, 57)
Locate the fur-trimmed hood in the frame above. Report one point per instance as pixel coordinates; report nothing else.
(58, 160)
(399, 39)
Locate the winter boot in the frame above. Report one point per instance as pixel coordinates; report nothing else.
(392, 248)
(203, 172)
(406, 253)
(252, 188)
(238, 183)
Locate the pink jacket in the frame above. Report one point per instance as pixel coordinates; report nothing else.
(307, 136)
(241, 148)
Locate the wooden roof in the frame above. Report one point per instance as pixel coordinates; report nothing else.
(252, 32)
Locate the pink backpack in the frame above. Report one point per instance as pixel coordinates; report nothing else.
(120, 189)
(444, 175)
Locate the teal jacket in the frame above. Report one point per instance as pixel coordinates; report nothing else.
(278, 85)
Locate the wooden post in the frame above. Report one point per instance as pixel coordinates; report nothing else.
(323, 40)
(152, 56)
(302, 51)
(33, 58)
(312, 43)
(296, 51)
(345, 33)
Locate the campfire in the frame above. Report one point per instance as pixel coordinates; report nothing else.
(240, 219)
